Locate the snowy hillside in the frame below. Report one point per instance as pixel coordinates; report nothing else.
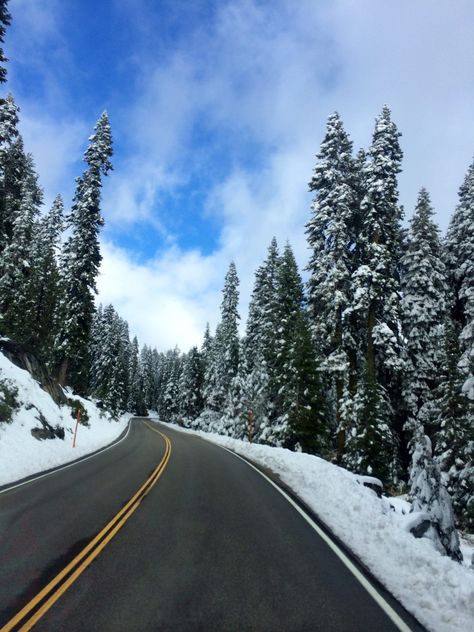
(437, 590)
(26, 404)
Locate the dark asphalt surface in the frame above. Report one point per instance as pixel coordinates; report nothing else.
(212, 547)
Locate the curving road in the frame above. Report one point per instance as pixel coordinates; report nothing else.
(165, 531)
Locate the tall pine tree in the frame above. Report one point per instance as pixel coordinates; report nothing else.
(460, 263)
(372, 445)
(80, 261)
(224, 360)
(332, 242)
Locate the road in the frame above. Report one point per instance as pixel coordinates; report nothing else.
(165, 531)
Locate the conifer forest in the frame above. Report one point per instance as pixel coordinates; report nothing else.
(368, 363)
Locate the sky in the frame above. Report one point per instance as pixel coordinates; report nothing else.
(217, 110)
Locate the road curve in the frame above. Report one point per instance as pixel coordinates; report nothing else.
(211, 546)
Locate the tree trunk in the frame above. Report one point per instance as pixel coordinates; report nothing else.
(62, 375)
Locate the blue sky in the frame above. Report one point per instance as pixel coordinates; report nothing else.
(217, 110)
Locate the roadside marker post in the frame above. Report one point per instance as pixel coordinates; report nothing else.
(250, 425)
(75, 430)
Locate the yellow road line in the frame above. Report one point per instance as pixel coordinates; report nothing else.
(92, 550)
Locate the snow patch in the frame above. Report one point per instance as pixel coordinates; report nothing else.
(21, 454)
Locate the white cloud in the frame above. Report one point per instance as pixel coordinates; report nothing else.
(166, 301)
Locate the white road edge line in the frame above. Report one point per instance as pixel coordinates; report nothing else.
(386, 607)
(65, 467)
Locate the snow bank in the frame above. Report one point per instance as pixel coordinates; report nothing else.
(436, 590)
(21, 454)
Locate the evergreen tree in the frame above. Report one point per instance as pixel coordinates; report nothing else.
(299, 412)
(456, 438)
(44, 279)
(8, 134)
(80, 261)
(206, 356)
(148, 379)
(191, 385)
(428, 494)
(332, 242)
(305, 403)
(259, 367)
(135, 402)
(16, 302)
(224, 358)
(5, 20)
(423, 310)
(110, 358)
(169, 408)
(372, 445)
(460, 261)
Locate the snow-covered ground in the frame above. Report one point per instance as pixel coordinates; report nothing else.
(21, 454)
(436, 590)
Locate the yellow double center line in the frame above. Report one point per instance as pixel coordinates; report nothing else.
(58, 586)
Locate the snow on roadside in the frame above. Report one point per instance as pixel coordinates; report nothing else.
(21, 454)
(436, 590)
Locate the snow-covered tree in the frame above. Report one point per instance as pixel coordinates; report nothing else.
(148, 377)
(110, 359)
(456, 438)
(331, 239)
(191, 385)
(372, 443)
(428, 495)
(5, 20)
(424, 312)
(135, 402)
(224, 356)
(44, 278)
(260, 348)
(16, 302)
(8, 134)
(172, 366)
(298, 408)
(80, 261)
(305, 407)
(460, 261)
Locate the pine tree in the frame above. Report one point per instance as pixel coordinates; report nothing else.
(191, 385)
(169, 408)
(148, 378)
(224, 358)
(5, 20)
(135, 402)
(259, 366)
(460, 261)
(372, 445)
(332, 242)
(80, 261)
(109, 352)
(44, 279)
(456, 438)
(428, 494)
(16, 302)
(424, 312)
(300, 415)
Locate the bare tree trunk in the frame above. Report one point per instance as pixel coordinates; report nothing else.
(62, 375)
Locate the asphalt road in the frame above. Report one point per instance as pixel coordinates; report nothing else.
(212, 546)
